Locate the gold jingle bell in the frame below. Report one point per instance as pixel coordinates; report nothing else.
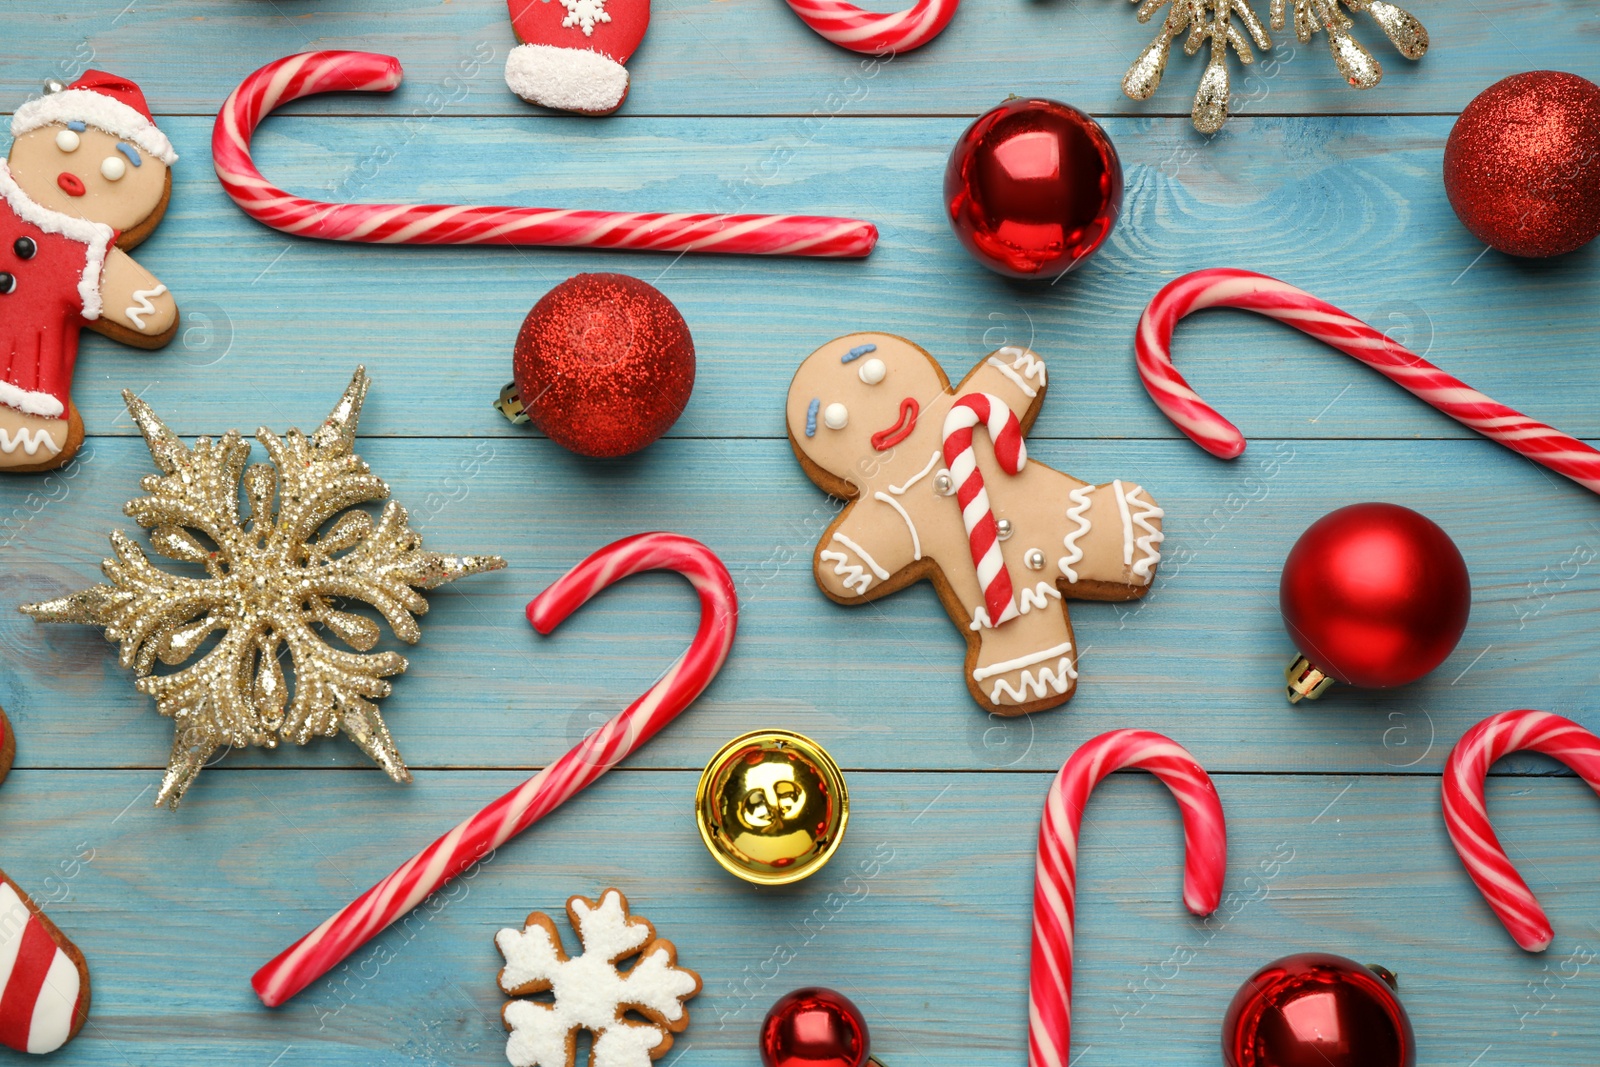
(772, 807)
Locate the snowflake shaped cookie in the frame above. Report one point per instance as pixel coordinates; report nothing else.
(584, 14)
(590, 993)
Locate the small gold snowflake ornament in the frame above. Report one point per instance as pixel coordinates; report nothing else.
(271, 584)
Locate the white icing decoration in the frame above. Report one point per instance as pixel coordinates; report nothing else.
(96, 236)
(1037, 597)
(1145, 511)
(30, 441)
(916, 542)
(1030, 365)
(836, 416)
(570, 79)
(872, 371)
(142, 306)
(899, 490)
(97, 110)
(1021, 661)
(865, 557)
(1127, 524)
(855, 577)
(68, 141)
(584, 14)
(112, 168)
(1028, 686)
(590, 993)
(1080, 500)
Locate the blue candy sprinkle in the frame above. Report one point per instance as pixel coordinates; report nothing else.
(857, 352)
(811, 417)
(131, 152)
(77, 127)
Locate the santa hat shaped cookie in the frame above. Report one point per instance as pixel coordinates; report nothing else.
(573, 52)
(105, 102)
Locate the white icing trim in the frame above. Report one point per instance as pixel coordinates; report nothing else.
(1016, 379)
(1028, 686)
(1081, 502)
(142, 305)
(1021, 661)
(96, 236)
(916, 542)
(1127, 524)
(899, 490)
(853, 575)
(97, 110)
(1029, 364)
(866, 557)
(28, 440)
(30, 402)
(569, 79)
(1147, 510)
(1037, 597)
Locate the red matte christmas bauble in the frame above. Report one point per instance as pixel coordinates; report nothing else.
(1317, 1010)
(814, 1027)
(1375, 595)
(604, 364)
(1522, 166)
(1033, 188)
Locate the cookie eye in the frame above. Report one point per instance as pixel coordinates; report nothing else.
(67, 141)
(835, 416)
(112, 168)
(24, 247)
(872, 371)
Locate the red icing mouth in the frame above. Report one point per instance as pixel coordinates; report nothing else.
(893, 435)
(70, 183)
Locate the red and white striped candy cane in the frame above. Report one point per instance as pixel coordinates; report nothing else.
(313, 955)
(1467, 818)
(310, 73)
(1055, 885)
(1224, 287)
(983, 536)
(848, 26)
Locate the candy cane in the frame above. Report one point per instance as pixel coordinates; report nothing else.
(1467, 818)
(983, 535)
(310, 73)
(848, 26)
(1055, 886)
(1223, 287)
(412, 882)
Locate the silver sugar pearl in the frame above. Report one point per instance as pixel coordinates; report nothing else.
(1034, 559)
(1003, 528)
(942, 483)
(53, 86)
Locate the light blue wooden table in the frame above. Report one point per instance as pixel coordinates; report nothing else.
(1333, 190)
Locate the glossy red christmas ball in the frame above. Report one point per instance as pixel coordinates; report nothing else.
(1033, 188)
(1375, 595)
(1317, 1010)
(1522, 166)
(814, 1027)
(604, 364)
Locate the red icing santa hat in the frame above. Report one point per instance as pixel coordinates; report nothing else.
(105, 102)
(573, 52)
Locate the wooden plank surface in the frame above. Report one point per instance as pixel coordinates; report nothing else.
(924, 915)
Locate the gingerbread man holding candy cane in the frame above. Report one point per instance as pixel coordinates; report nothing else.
(87, 178)
(940, 487)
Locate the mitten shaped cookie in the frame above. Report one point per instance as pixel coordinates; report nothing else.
(1005, 540)
(573, 52)
(86, 180)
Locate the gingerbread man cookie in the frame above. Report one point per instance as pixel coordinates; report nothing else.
(87, 179)
(1005, 540)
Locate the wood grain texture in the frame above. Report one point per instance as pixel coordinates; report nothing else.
(923, 916)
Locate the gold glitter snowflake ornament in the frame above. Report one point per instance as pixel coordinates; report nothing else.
(1211, 20)
(271, 583)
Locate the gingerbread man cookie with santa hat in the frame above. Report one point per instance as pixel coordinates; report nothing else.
(87, 179)
(573, 52)
(940, 488)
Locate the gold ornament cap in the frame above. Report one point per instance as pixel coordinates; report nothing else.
(772, 807)
(1304, 681)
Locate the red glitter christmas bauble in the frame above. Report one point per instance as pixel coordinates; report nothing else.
(1033, 188)
(1375, 595)
(1522, 166)
(604, 364)
(1316, 1009)
(814, 1027)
